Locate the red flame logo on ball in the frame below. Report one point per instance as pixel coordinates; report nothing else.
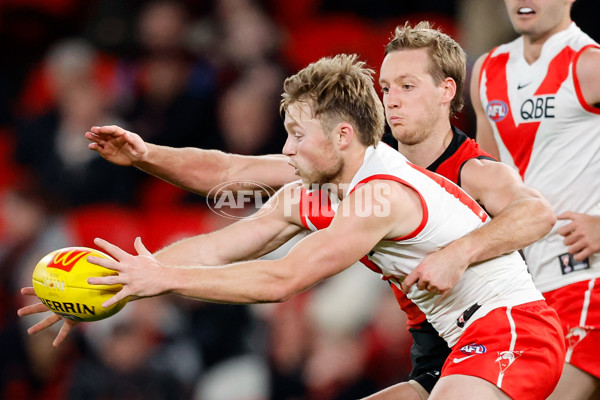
(66, 259)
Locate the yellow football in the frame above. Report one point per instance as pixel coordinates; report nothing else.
(60, 282)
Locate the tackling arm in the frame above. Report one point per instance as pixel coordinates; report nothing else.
(521, 214)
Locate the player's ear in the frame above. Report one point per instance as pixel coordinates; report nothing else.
(344, 134)
(448, 85)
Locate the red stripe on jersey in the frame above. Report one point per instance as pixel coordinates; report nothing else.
(455, 191)
(519, 141)
(302, 210)
(518, 144)
(403, 182)
(558, 70)
(315, 207)
(371, 265)
(415, 316)
(580, 97)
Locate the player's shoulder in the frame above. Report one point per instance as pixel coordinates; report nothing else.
(587, 73)
(479, 62)
(589, 57)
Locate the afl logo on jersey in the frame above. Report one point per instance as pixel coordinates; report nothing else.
(496, 110)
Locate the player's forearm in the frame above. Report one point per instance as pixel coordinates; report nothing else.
(517, 226)
(196, 170)
(200, 170)
(241, 283)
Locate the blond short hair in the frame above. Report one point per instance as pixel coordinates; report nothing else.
(339, 89)
(448, 59)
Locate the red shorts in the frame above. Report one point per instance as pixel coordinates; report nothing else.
(578, 306)
(520, 349)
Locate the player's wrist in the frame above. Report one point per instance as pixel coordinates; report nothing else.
(467, 251)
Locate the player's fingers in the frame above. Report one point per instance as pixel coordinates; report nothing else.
(569, 239)
(567, 215)
(91, 136)
(567, 229)
(112, 130)
(112, 249)
(422, 284)
(409, 280)
(28, 291)
(582, 254)
(431, 288)
(62, 334)
(105, 280)
(115, 299)
(577, 247)
(43, 324)
(140, 248)
(105, 262)
(32, 309)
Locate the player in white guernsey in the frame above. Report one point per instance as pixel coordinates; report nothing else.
(537, 101)
(385, 207)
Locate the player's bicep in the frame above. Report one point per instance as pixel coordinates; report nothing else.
(494, 194)
(587, 74)
(484, 133)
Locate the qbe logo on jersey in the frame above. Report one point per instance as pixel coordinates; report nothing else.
(496, 110)
(239, 199)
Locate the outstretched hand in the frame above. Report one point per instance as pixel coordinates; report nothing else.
(117, 145)
(46, 322)
(141, 275)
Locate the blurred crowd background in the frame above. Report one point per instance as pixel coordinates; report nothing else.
(205, 73)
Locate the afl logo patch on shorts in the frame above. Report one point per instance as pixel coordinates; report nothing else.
(496, 110)
(473, 348)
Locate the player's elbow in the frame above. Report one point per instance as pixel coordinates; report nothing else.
(277, 293)
(545, 216)
(283, 287)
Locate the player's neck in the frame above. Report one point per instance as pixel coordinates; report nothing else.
(533, 43)
(426, 152)
(353, 160)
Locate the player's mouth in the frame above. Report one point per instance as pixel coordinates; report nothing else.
(525, 11)
(395, 120)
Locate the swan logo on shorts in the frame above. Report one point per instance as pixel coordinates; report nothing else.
(506, 358)
(496, 110)
(576, 335)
